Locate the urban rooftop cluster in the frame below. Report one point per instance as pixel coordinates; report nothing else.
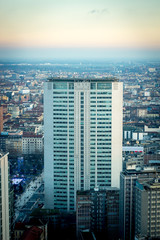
(114, 212)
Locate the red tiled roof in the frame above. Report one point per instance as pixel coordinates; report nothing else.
(31, 135)
(32, 233)
(20, 226)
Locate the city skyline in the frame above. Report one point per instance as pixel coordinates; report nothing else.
(79, 25)
(91, 112)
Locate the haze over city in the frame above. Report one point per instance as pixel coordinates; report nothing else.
(87, 28)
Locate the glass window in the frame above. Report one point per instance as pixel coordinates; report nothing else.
(60, 85)
(71, 85)
(104, 85)
(93, 85)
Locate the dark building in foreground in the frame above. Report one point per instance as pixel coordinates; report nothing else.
(83, 211)
(98, 212)
(147, 208)
(128, 180)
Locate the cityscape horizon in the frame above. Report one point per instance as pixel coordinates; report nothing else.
(80, 119)
(78, 54)
(22, 133)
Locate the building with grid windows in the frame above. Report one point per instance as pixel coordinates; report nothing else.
(98, 211)
(82, 138)
(147, 208)
(128, 199)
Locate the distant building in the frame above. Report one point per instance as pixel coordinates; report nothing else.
(152, 159)
(147, 208)
(133, 133)
(152, 129)
(13, 110)
(32, 144)
(11, 142)
(141, 112)
(132, 149)
(147, 94)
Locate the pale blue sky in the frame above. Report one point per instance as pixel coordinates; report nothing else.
(80, 23)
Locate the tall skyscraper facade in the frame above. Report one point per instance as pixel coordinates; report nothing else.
(82, 138)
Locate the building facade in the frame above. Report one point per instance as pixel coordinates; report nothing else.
(147, 208)
(6, 200)
(32, 144)
(11, 142)
(82, 138)
(83, 211)
(1, 119)
(98, 212)
(128, 180)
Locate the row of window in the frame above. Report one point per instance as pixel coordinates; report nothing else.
(107, 92)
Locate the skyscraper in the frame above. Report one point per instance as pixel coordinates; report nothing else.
(82, 138)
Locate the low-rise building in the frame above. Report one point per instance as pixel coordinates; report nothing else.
(11, 142)
(32, 143)
(13, 110)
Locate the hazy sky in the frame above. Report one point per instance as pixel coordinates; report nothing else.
(80, 23)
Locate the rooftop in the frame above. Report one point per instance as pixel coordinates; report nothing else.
(2, 154)
(141, 170)
(56, 79)
(44, 212)
(155, 184)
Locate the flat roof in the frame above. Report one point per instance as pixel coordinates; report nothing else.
(61, 79)
(132, 149)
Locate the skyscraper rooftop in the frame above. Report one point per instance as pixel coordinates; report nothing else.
(62, 79)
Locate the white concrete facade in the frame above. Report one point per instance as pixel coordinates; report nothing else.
(82, 138)
(4, 209)
(117, 121)
(32, 144)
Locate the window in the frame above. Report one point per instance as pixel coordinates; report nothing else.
(71, 85)
(104, 85)
(59, 85)
(93, 85)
